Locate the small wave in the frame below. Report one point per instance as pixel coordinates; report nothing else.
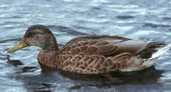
(166, 18)
(7, 40)
(155, 25)
(124, 17)
(68, 30)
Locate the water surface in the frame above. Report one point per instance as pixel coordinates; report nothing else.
(148, 20)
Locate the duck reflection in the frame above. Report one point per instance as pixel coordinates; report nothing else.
(35, 80)
(147, 76)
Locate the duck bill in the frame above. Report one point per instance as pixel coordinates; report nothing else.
(18, 46)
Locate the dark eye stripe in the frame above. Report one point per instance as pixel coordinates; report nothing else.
(29, 34)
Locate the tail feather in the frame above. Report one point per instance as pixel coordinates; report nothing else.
(151, 48)
(154, 50)
(161, 51)
(149, 62)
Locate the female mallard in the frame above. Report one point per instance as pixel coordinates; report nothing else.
(89, 55)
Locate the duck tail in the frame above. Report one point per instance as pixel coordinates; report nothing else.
(152, 52)
(161, 51)
(150, 49)
(156, 45)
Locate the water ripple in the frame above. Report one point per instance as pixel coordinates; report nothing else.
(148, 20)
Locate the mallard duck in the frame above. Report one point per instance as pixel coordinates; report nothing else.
(89, 54)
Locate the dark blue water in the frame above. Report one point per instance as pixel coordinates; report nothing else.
(148, 20)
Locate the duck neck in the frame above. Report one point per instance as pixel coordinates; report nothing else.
(47, 56)
(51, 45)
(47, 59)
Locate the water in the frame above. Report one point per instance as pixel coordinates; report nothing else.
(148, 20)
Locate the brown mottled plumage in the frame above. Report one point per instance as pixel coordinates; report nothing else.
(89, 54)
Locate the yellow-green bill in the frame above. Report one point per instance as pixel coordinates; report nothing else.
(18, 46)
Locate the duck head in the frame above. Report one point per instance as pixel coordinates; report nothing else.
(36, 35)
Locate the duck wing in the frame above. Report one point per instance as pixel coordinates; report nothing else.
(96, 45)
(109, 46)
